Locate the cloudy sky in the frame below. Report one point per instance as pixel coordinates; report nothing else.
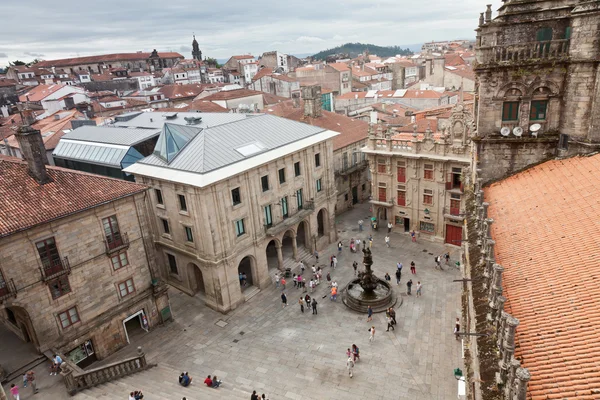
(41, 29)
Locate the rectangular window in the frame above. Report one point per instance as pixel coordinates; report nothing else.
(319, 188)
(119, 261)
(345, 161)
(297, 168)
(428, 196)
(112, 232)
(401, 171)
(454, 207)
(182, 203)
(126, 288)
(362, 187)
(68, 318)
(49, 255)
(510, 111)
(159, 198)
(381, 167)
(299, 198)
(189, 236)
(401, 193)
(165, 225)
(268, 216)
(282, 175)
(172, 263)
(264, 181)
(235, 196)
(426, 227)
(538, 110)
(318, 160)
(382, 193)
(428, 171)
(59, 287)
(284, 207)
(239, 227)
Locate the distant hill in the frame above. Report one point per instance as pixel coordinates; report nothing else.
(354, 49)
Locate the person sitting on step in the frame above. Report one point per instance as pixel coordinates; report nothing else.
(216, 382)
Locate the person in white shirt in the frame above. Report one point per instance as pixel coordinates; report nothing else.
(350, 366)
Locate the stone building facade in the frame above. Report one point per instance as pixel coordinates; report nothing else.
(76, 273)
(246, 214)
(537, 76)
(417, 180)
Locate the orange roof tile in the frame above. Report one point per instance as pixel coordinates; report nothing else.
(232, 94)
(40, 92)
(341, 67)
(205, 106)
(24, 203)
(547, 238)
(104, 58)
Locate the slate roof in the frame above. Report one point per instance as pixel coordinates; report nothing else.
(547, 235)
(24, 203)
(216, 147)
(111, 135)
(157, 119)
(90, 152)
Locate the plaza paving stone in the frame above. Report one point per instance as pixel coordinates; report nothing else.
(290, 355)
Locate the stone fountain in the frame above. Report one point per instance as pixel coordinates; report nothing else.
(368, 290)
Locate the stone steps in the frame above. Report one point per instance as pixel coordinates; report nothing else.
(160, 383)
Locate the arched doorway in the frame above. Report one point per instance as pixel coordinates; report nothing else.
(245, 268)
(272, 259)
(302, 238)
(323, 222)
(196, 278)
(381, 216)
(287, 245)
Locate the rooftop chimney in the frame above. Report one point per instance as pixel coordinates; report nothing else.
(312, 101)
(32, 148)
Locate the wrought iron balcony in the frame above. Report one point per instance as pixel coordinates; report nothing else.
(7, 290)
(523, 52)
(56, 269)
(291, 220)
(115, 243)
(359, 166)
(454, 213)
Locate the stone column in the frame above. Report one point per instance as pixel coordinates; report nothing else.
(279, 256)
(523, 376)
(489, 261)
(509, 389)
(496, 280)
(500, 300)
(508, 348)
(502, 328)
(488, 14)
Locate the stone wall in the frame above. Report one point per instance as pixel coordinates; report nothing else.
(118, 85)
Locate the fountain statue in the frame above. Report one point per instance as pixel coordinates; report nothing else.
(368, 290)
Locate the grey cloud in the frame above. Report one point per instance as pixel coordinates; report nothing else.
(3, 55)
(230, 28)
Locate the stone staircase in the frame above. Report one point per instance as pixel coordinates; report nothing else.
(160, 383)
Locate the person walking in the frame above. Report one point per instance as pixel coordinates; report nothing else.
(360, 225)
(413, 269)
(340, 247)
(457, 328)
(387, 277)
(311, 285)
(254, 396)
(307, 300)
(299, 279)
(31, 380)
(355, 266)
(335, 262)
(295, 280)
(301, 302)
(14, 390)
(390, 324)
(350, 366)
(283, 300)
(334, 293)
(387, 240)
(314, 306)
(372, 334)
(419, 288)
(277, 279)
(390, 226)
(408, 286)
(413, 236)
(357, 244)
(282, 283)
(398, 276)
(328, 280)
(393, 315)
(303, 285)
(355, 353)
(370, 242)
(316, 254)
(369, 314)
(56, 362)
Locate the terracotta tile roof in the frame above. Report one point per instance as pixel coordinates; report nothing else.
(464, 71)
(352, 130)
(205, 106)
(422, 126)
(284, 78)
(547, 238)
(51, 128)
(24, 203)
(269, 98)
(7, 82)
(453, 60)
(232, 94)
(243, 57)
(40, 92)
(175, 92)
(261, 73)
(341, 67)
(104, 58)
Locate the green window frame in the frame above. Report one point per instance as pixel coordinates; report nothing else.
(268, 216)
(240, 229)
(538, 110)
(284, 207)
(189, 235)
(299, 198)
(319, 186)
(510, 110)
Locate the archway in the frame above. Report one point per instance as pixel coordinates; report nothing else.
(287, 245)
(381, 216)
(17, 336)
(196, 278)
(302, 238)
(323, 222)
(245, 268)
(272, 258)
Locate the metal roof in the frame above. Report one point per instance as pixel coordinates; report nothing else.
(216, 147)
(111, 135)
(157, 119)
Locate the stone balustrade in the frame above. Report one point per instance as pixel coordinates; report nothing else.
(76, 380)
(524, 52)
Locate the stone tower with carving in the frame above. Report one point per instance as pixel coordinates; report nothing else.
(538, 78)
(196, 53)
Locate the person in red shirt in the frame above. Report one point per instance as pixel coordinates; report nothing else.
(208, 382)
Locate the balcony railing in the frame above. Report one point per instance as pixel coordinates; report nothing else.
(547, 50)
(291, 219)
(456, 212)
(451, 185)
(348, 169)
(116, 242)
(7, 290)
(58, 268)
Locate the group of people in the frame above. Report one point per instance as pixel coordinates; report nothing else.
(212, 382)
(136, 395)
(243, 279)
(310, 303)
(353, 356)
(255, 396)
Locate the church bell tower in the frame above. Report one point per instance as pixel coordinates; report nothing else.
(196, 53)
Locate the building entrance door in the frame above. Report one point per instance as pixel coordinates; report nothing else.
(135, 325)
(453, 235)
(355, 195)
(406, 224)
